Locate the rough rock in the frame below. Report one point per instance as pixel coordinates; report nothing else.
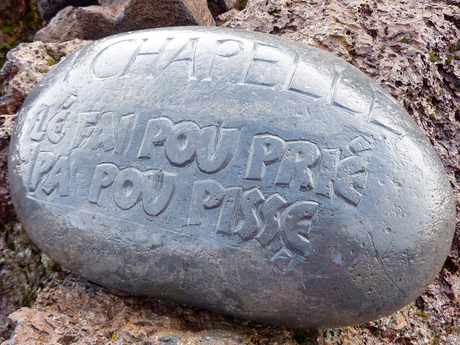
(87, 23)
(114, 16)
(24, 68)
(410, 47)
(22, 266)
(220, 6)
(413, 50)
(48, 8)
(19, 20)
(73, 312)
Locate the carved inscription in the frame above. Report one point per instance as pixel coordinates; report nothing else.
(213, 147)
(272, 221)
(261, 65)
(296, 158)
(248, 213)
(241, 184)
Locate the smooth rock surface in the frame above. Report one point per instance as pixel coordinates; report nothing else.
(188, 171)
(115, 16)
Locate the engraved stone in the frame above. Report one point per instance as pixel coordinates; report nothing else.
(232, 171)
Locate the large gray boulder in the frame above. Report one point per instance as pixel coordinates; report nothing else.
(279, 185)
(434, 318)
(114, 16)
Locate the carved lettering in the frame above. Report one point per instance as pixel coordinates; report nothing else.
(103, 131)
(279, 225)
(38, 129)
(85, 128)
(207, 194)
(228, 216)
(225, 49)
(271, 214)
(41, 165)
(142, 51)
(265, 150)
(273, 222)
(234, 145)
(296, 163)
(58, 178)
(216, 148)
(261, 60)
(212, 146)
(264, 64)
(159, 192)
(295, 226)
(154, 188)
(54, 125)
(329, 161)
(124, 132)
(156, 133)
(182, 143)
(104, 175)
(307, 80)
(128, 186)
(359, 144)
(103, 136)
(301, 164)
(351, 179)
(185, 53)
(103, 66)
(250, 204)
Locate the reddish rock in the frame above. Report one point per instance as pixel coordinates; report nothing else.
(23, 268)
(410, 47)
(6, 208)
(48, 8)
(73, 312)
(24, 68)
(114, 16)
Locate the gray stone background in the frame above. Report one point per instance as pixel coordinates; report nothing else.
(410, 47)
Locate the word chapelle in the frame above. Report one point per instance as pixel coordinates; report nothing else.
(235, 60)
